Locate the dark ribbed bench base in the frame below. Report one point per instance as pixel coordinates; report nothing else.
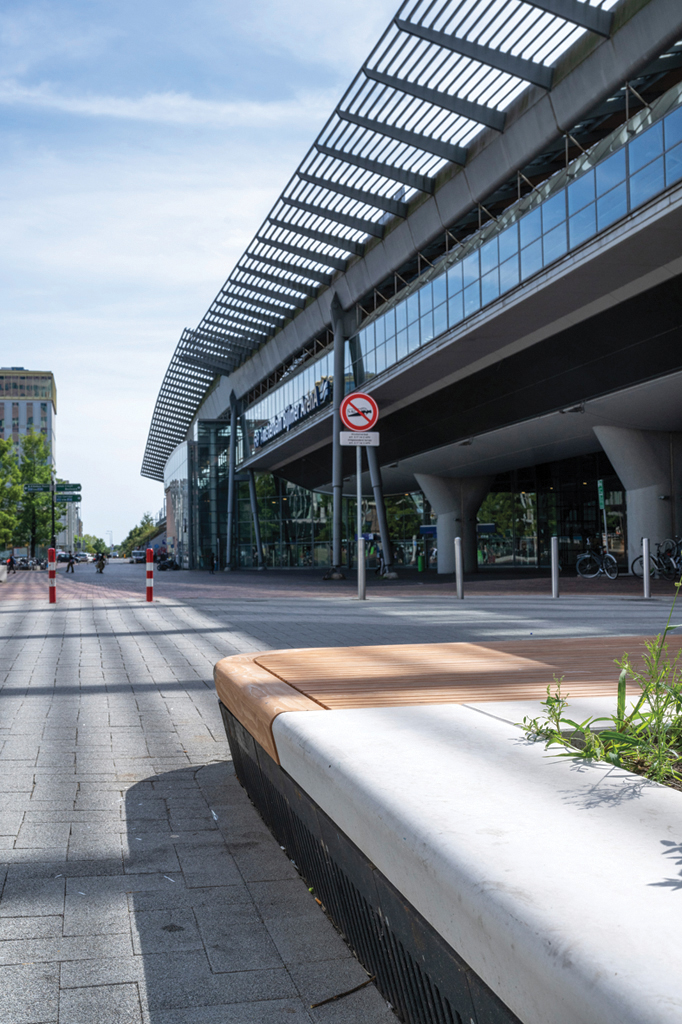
(415, 970)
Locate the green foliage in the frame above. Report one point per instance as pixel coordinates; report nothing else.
(34, 519)
(138, 536)
(647, 738)
(93, 544)
(10, 492)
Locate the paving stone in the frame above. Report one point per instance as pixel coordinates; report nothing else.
(30, 994)
(275, 1011)
(96, 914)
(322, 980)
(103, 1004)
(200, 870)
(166, 931)
(298, 928)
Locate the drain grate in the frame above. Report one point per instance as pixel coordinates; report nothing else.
(415, 970)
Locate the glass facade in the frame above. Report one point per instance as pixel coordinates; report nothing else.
(178, 509)
(619, 174)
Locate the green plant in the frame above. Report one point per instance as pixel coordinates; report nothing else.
(647, 738)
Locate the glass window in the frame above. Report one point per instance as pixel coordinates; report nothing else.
(427, 327)
(531, 259)
(611, 172)
(470, 268)
(440, 290)
(582, 225)
(490, 286)
(390, 351)
(612, 206)
(380, 358)
(554, 244)
(413, 336)
(455, 309)
(379, 329)
(646, 147)
(472, 298)
(646, 183)
(530, 227)
(554, 211)
(425, 299)
(673, 165)
(673, 128)
(455, 279)
(400, 316)
(389, 323)
(369, 361)
(509, 274)
(489, 256)
(413, 308)
(440, 319)
(401, 344)
(581, 192)
(509, 242)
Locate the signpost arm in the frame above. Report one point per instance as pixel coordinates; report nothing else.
(337, 455)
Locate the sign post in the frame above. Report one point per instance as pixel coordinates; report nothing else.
(359, 413)
(602, 506)
(150, 574)
(52, 575)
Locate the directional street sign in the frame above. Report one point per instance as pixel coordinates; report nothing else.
(359, 411)
(36, 488)
(68, 487)
(600, 491)
(68, 497)
(359, 438)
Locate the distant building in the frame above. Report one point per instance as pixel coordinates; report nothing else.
(28, 398)
(69, 538)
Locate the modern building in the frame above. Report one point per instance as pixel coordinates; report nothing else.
(68, 539)
(28, 398)
(486, 236)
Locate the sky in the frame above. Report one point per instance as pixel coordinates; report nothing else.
(141, 146)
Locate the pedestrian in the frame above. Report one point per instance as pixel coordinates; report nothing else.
(11, 564)
(101, 562)
(71, 562)
(211, 564)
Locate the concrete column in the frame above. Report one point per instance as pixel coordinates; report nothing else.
(645, 461)
(455, 500)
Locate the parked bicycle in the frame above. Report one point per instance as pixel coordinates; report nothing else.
(664, 563)
(593, 563)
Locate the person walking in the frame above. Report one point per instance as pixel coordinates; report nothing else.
(11, 564)
(71, 562)
(211, 564)
(101, 562)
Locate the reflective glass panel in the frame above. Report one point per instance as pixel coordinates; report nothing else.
(581, 192)
(646, 147)
(673, 165)
(509, 242)
(470, 268)
(555, 243)
(440, 319)
(401, 344)
(490, 286)
(413, 308)
(509, 274)
(389, 322)
(440, 289)
(379, 330)
(455, 309)
(380, 358)
(455, 279)
(611, 172)
(472, 298)
(612, 206)
(425, 298)
(390, 351)
(646, 183)
(427, 327)
(530, 227)
(531, 259)
(400, 316)
(554, 211)
(413, 336)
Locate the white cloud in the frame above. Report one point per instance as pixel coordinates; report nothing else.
(170, 108)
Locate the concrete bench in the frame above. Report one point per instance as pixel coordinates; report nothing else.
(478, 878)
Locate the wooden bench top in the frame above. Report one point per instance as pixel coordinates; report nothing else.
(258, 687)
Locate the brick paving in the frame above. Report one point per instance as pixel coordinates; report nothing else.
(138, 882)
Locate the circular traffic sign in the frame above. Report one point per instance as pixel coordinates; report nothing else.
(359, 411)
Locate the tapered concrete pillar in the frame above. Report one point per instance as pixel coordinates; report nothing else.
(455, 500)
(648, 464)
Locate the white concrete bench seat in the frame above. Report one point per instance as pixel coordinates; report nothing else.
(556, 881)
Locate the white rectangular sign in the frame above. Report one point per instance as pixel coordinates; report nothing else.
(359, 438)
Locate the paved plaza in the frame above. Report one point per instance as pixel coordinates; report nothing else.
(139, 883)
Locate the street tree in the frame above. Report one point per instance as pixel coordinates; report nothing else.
(34, 523)
(10, 492)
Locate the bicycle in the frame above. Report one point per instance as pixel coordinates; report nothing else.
(660, 564)
(594, 563)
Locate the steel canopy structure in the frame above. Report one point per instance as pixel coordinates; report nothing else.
(442, 73)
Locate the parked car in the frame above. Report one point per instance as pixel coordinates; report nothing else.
(81, 556)
(138, 555)
(62, 556)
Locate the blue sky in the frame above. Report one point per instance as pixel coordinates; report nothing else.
(142, 144)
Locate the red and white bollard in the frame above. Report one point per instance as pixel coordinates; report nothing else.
(150, 574)
(52, 574)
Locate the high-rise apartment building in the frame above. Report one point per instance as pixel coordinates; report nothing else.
(28, 398)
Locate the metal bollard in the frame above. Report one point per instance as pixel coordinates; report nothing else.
(646, 560)
(459, 568)
(362, 570)
(52, 575)
(150, 574)
(555, 566)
